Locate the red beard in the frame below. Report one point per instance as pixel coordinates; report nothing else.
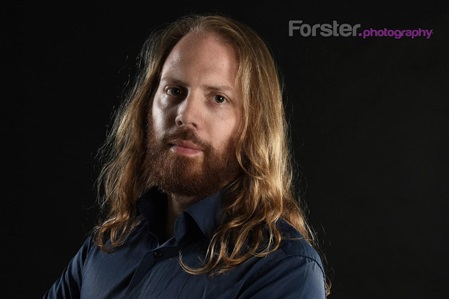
(198, 176)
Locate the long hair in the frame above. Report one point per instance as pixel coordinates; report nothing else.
(258, 199)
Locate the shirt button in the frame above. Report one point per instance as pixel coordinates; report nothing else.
(157, 254)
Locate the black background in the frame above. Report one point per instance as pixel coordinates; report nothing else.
(369, 125)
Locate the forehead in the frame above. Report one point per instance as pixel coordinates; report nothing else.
(196, 39)
(207, 48)
(203, 58)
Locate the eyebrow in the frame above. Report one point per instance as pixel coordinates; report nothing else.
(206, 86)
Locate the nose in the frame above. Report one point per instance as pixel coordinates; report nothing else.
(189, 111)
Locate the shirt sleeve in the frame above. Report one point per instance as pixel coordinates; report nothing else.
(69, 283)
(296, 277)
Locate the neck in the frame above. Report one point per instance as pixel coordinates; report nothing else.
(176, 205)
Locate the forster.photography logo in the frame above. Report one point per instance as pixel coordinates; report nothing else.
(335, 29)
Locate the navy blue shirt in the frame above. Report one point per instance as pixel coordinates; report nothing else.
(147, 266)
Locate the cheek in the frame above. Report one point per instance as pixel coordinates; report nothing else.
(159, 122)
(227, 132)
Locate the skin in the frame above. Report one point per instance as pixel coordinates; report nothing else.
(198, 90)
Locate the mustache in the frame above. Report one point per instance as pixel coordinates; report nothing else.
(185, 134)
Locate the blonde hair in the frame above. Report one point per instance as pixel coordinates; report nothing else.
(261, 196)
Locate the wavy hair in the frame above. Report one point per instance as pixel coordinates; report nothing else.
(258, 199)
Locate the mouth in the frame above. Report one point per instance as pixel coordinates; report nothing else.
(185, 147)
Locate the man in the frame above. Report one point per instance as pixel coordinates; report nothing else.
(197, 181)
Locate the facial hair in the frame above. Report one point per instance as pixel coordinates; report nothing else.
(198, 176)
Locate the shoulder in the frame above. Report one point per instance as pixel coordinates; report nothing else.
(295, 245)
(294, 270)
(297, 256)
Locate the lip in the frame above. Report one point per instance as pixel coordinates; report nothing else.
(185, 147)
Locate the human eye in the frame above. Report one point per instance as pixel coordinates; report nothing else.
(219, 99)
(173, 91)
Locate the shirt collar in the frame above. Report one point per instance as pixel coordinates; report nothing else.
(206, 213)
